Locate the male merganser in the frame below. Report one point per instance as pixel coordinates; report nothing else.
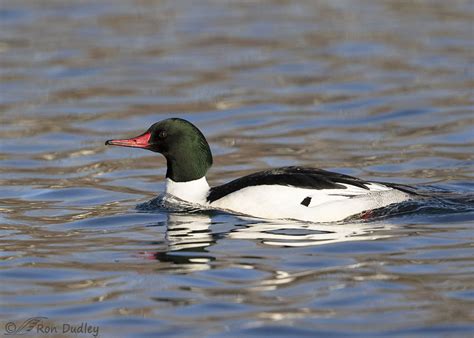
(306, 194)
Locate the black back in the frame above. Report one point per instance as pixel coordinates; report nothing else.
(308, 178)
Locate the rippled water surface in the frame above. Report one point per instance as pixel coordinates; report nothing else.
(377, 89)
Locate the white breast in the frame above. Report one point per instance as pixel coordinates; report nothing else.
(192, 191)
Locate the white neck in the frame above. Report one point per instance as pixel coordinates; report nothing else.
(192, 191)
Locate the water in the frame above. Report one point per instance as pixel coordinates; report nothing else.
(377, 89)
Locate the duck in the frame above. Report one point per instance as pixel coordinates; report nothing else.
(293, 192)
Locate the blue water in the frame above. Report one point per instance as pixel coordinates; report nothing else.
(380, 90)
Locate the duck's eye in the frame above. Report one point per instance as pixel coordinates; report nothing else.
(162, 134)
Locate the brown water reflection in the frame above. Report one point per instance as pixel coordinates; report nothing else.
(381, 90)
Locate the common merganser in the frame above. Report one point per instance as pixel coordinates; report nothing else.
(306, 194)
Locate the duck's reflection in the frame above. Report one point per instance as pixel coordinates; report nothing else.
(189, 236)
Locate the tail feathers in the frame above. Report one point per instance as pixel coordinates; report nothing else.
(402, 187)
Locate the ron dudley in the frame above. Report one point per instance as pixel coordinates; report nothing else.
(84, 328)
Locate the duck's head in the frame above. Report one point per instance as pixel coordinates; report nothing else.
(185, 148)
